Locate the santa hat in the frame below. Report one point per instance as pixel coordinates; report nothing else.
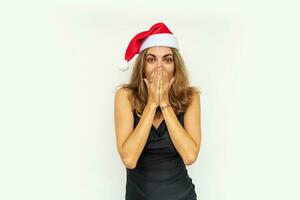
(157, 35)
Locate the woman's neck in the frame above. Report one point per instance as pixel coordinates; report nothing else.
(158, 113)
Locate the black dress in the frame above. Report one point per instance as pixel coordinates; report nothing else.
(160, 173)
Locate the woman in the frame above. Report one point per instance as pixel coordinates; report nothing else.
(157, 120)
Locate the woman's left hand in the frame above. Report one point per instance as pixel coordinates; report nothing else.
(165, 87)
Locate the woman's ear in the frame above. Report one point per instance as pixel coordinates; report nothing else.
(146, 81)
(171, 82)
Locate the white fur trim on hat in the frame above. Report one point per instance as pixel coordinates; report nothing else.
(161, 39)
(123, 65)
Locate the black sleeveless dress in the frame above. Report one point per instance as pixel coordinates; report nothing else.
(160, 173)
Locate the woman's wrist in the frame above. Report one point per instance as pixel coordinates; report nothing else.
(152, 106)
(164, 106)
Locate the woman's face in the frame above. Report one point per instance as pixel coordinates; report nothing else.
(159, 56)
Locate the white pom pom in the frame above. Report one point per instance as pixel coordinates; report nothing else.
(124, 65)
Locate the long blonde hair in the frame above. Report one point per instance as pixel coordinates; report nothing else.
(180, 93)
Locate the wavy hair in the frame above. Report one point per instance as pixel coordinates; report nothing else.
(180, 93)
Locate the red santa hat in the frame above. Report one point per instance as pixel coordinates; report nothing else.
(158, 35)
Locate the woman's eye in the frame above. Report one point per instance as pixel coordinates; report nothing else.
(150, 60)
(169, 60)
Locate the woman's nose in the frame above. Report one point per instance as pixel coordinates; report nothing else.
(159, 67)
(159, 64)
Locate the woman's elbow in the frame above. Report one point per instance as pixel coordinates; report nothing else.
(190, 160)
(129, 163)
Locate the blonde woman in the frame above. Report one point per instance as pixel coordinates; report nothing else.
(157, 119)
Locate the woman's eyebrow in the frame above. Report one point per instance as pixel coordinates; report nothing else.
(163, 56)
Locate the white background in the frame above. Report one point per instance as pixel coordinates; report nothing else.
(59, 70)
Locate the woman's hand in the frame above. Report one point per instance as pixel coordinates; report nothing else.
(165, 87)
(153, 88)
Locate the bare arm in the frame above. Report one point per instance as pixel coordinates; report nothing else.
(186, 140)
(131, 141)
(135, 143)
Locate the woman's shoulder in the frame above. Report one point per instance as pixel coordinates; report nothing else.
(123, 99)
(123, 92)
(122, 95)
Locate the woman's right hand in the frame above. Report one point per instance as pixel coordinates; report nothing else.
(153, 87)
